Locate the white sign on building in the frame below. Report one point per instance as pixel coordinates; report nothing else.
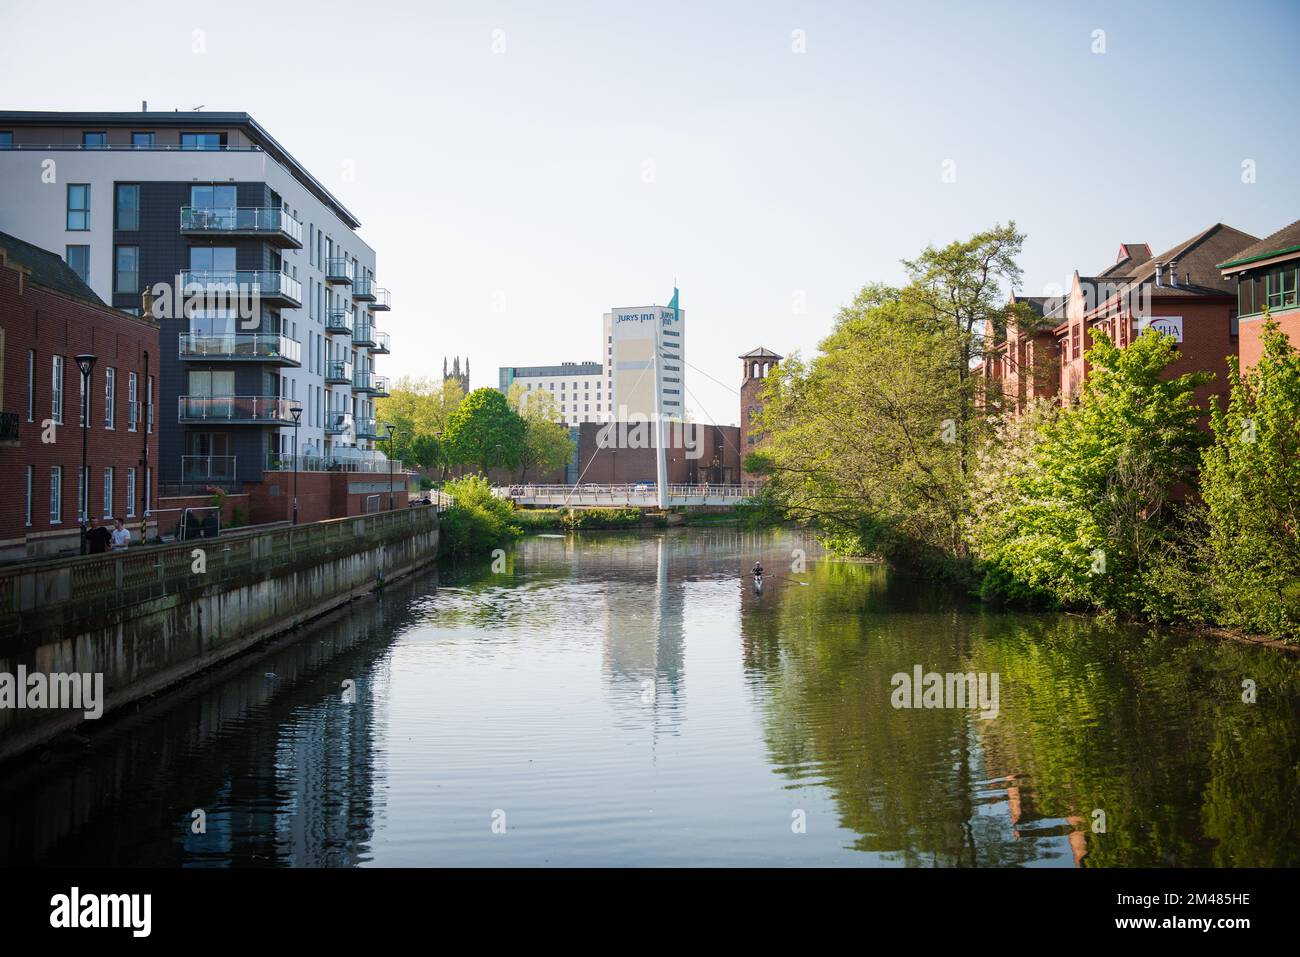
(1170, 325)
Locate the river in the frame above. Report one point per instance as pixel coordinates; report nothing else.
(632, 699)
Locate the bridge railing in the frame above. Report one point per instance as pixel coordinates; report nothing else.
(639, 493)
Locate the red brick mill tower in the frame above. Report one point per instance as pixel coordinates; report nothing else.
(758, 364)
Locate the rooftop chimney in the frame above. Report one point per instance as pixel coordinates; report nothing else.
(1159, 266)
(144, 106)
(1173, 272)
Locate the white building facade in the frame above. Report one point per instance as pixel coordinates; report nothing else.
(139, 203)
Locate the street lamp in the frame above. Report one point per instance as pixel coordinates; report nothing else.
(86, 362)
(296, 412)
(391, 429)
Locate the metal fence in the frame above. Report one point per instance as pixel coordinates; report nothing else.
(75, 588)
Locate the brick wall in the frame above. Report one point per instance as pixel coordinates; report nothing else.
(51, 323)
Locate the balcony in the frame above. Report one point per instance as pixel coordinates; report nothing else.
(367, 429)
(363, 289)
(338, 271)
(265, 222)
(380, 348)
(339, 322)
(338, 423)
(235, 410)
(379, 386)
(363, 335)
(242, 347)
(207, 468)
(342, 460)
(381, 301)
(363, 382)
(251, 285)
(338, 372)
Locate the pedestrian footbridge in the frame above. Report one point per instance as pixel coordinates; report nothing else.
(640, 495)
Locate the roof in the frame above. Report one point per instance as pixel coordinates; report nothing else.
(1129, 257)
(1285, 240)
(47, 269)
(190, 120)
(762, 352)
(1195, 262)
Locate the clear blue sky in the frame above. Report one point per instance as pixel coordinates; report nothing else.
(519, 174)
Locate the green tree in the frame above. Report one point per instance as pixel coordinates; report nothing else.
(546, 444)
(1251, 486)
(861, 441)
(422, 408)
(485, 432)
(1082, 511)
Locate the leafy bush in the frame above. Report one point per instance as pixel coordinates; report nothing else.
(1251, 486)
(477, 521)
(538, 519)
(588, 518)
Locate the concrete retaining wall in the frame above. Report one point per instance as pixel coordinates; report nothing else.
(147, 642)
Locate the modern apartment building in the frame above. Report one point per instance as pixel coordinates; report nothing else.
(265, 293)
(578, 388)
(1266, 273)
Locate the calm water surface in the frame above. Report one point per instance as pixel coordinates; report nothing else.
(630, 700)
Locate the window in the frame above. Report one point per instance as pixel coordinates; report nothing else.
(1234, 325)
(148, 490)
(83, 419)
(128, 206)
(31, 384)
(110, 398)
(142, 140)
(27, 520)
(78, 259)
(203, 141)
(130, 493)
(148, 418)
(94, 141)
(108, 493)
(1282, 288)
(56, 494)
(56, 391)
(79, 206)
(132, 406)
(213, 259)
(83, 498)
(212, 197)
(6, 140)
(126, 271)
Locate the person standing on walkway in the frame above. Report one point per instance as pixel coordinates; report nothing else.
(121, 537)
(98, 538)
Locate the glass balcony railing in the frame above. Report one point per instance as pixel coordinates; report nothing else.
(274, 224)
(338, 372)
(379, 385)
(381, 346)
(338, 270)
(251, 347)
(243, 284)
(367, 428)
(363, 289)
(339, 423)
(363, 335)
(353, 460)
(381, 301)
(233, 409)
(207, 468)
(339, 322)
(363, 382)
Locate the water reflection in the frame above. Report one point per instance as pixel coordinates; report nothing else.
(631, 699)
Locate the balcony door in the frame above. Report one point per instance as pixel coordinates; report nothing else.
(213, 207)
(214, 259)
(213, 391)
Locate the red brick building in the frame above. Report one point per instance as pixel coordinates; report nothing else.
(48, 316)
(1023, 366)
(1265, 273)
(1179, 291)
(758, 364)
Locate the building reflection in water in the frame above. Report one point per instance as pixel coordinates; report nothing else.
(280, 759)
